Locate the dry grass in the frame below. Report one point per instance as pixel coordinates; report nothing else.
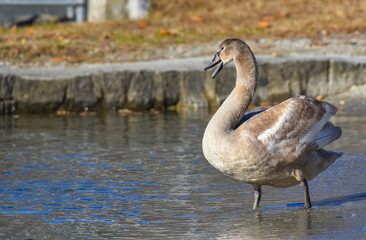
(187, 22)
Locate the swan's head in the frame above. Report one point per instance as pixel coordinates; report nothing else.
(225, 54)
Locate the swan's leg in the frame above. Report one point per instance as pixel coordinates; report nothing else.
(305, 187)
(257, 196)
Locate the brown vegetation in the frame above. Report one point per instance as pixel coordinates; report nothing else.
(180, 22)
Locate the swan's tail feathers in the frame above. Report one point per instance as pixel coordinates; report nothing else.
(328, 134)
(319, 161)
(325, 158)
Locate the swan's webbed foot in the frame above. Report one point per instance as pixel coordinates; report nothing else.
(257, 196)
(305, 187)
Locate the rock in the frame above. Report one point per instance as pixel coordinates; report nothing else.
(80, 94)
(34, 96)
(6, 90)
(225, 82)
(169, 84)
(166, 89)
(344, 74)
(192, 90)
(140, 91)
(114, 87)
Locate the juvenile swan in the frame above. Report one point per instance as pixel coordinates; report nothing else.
(280, 146)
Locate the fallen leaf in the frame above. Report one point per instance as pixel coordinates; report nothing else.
(57, 59)
(163, 32)
(29, 32)
(197, 19)
(335, 27)
(266, 46)
(60, 113)
(212, 109)
(263, 24)
(125, 111)
(264, 103)
(166, 32)
(108, 24)
(64, 113)
(143, 23)
(87, 113)
(320, 98)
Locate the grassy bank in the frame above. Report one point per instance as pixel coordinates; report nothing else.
(180, 23)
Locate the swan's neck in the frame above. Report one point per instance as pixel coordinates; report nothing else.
(235, 105)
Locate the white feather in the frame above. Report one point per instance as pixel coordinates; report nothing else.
(314, 132)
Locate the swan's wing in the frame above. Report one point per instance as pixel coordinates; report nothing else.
(327, 134)
(250, 113)
(294, 123)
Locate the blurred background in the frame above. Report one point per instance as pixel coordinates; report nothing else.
(77, 31)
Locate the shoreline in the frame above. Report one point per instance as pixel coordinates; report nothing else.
(178, 84)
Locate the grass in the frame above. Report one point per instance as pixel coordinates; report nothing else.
(180, 22)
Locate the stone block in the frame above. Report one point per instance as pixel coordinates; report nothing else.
(6, 86)
(6, 90)
(313, 75)
(140, 91)
(225, 82)
(344, 74)
(31, 96)
(166, 89)
(80, 95)
(114, 89)
(169, 84)
(192, 90)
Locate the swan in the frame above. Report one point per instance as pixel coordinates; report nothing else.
(279, 146)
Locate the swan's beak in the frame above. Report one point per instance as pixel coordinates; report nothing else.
(216, 60)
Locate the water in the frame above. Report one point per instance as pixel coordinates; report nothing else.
(143, 176)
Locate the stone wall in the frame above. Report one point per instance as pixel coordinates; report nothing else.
(171, 84)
